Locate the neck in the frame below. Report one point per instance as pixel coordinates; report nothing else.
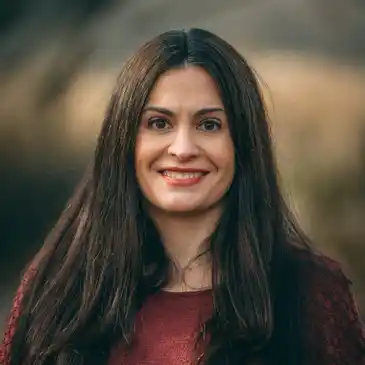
(186, 241)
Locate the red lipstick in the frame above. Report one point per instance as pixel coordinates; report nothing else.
(175, 176)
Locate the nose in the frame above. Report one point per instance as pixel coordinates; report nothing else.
(183, 145)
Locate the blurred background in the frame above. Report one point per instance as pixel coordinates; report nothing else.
(58, 63)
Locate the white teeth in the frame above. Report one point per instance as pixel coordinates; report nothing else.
(182, 175)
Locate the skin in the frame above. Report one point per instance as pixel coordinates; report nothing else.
(184, 126)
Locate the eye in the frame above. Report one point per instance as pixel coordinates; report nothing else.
(158, 123)
(210, 125)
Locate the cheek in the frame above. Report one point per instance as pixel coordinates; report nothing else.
(146, 148)
(225, 164)
(142, 158)
(224, 157)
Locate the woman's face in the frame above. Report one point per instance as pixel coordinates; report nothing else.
(184, 152)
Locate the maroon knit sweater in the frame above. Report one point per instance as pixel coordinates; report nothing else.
(168, 323)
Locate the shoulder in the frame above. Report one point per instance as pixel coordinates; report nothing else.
(318, 272)
(330, 323)
(323, 286)
(13, 317)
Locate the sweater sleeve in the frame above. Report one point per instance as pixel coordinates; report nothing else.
(334, 334)
(12, 321)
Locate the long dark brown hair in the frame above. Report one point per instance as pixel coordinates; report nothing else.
(104, 256)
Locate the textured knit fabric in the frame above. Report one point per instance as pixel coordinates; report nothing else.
(167, 329)
(168, 323)
(332, 331)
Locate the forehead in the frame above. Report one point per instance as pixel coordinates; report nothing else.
(189, 86)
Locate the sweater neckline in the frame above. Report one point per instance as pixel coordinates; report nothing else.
(185, 294)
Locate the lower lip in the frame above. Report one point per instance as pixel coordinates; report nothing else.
(182, 182)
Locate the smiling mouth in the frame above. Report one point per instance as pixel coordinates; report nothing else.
(183, 175)
(182, 178)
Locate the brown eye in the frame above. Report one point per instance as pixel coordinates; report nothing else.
(158, 123)
(210, 125)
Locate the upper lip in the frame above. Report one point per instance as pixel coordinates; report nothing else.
(183, 169)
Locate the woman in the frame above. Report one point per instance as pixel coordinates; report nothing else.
(178, 247)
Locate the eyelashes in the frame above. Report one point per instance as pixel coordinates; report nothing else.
(158, 123)
(163, 124)
(210, 125)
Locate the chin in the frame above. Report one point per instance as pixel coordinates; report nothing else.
(181, 207)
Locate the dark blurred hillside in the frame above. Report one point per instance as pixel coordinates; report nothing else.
(331, 27)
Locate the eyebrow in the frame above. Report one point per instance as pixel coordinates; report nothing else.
(170, 113)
